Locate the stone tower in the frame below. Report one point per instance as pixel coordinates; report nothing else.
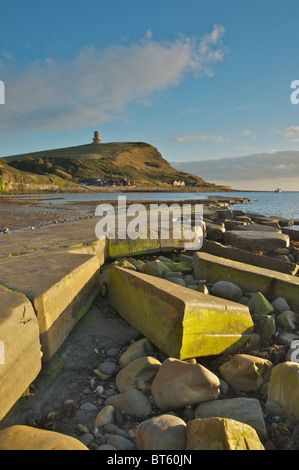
(96, 137)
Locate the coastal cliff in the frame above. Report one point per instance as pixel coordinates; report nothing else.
(139, 164)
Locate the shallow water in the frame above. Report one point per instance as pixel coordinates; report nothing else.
(285, 204)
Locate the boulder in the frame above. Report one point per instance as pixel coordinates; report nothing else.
(227, 290)
(259, 305)
(105, 416)
(283, 391)
(245, 410)
(280, 305)
(165, 432)
(155, 268)
(21, 437)
(264, 326)
(181, 267)
(119, 442)
(140, 348)
(178, 384)
(221, 434)
(138, 374)
(132, 402)
(288, 319)
(246, 373)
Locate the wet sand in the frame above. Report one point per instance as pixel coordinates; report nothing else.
(16, 214)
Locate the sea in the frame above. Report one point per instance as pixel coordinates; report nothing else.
(284, 204)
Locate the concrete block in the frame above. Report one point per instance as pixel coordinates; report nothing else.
(181, 322)
(249, 278)
(61, 287)
(257, 240)
(20, 358)
(244, 256)
(73, 237)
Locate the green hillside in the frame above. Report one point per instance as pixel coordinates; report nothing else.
(14, 181)
(138, 162)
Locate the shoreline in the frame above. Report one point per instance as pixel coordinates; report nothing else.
(17, 214)
(74, 385)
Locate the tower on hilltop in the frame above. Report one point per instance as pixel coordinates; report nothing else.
(96, 137)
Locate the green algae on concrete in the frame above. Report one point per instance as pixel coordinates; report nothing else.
(179, 321)
(236, 254)
(20, 361)
(126, 246)
(271, 284)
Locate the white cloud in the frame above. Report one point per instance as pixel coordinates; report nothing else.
(258, 166)
(199, 138)
(215, 138)
(242, 147)
(288, 132)
(98, 85)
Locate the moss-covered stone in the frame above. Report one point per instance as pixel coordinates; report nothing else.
(181, 322)
(264, 326)
(283, 391)
(259, 305)
(221, 434)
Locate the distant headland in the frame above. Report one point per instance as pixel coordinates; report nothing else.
(97, 166)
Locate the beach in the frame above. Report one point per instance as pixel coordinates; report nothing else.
(78, 391)
(18, 214)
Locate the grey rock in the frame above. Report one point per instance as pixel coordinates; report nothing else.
(132, 402)
(165, 432)
(86, 438)
(106, 447)
(120, 442)
(112, 352)
(226, 290)
(280, 305)
(177, 280)
(109, 368)
(245, 410)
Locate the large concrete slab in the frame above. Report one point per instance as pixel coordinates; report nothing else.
(244, 256)
(73, 237)
(20, 357)
(61, 287)
(250, 278)
(256, 240)
(292, 233)
(180, 322)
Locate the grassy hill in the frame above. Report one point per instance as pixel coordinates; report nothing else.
(139, 162)
(14, 181)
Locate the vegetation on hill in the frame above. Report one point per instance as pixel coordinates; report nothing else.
(138, 162)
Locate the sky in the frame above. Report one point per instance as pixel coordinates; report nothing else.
(204, 81)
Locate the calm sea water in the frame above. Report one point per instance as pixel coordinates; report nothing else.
(285, 204)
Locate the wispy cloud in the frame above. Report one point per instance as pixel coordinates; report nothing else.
(220, 139)
(257, 166)
(199, 138)
(291, 133)
(98, 85)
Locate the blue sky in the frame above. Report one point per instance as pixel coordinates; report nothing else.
(197, 79)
